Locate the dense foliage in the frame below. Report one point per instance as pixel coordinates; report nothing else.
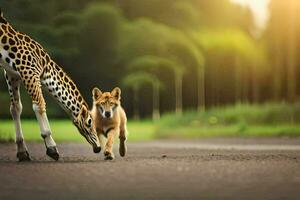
(202, 53)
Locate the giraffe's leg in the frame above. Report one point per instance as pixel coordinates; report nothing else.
(39, 107)
(13, 84)
(46, 131)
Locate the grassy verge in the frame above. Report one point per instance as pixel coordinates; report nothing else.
(236, 121)
(233, 121)
(64, 130)
(230, 131)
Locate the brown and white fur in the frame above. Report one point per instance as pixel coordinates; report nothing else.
(110, 120)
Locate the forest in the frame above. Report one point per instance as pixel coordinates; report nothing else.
(166, 56)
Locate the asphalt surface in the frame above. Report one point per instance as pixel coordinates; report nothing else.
(200, 169)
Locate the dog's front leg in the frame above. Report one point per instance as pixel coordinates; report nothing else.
(108, 152)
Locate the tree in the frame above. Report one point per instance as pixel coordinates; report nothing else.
(162, 12)
(153, 64)
(282, 36)
(234, 60)
(182, 50)
(136, 80)
(293, 7)
(98, 41)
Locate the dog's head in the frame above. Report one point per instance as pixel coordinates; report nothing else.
(107, 102)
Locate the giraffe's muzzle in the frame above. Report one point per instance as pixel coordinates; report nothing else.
(97, 149)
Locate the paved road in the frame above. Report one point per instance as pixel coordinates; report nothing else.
(201, 169)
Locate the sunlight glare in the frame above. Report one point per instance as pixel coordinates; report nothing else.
(259, 9)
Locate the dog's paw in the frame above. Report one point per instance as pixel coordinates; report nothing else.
(108, 155)
(122, 149)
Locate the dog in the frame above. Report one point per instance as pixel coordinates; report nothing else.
(110, 120)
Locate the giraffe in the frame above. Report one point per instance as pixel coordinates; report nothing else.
(25, 61)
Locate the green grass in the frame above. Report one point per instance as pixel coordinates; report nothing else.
(64, 130)
(235, 121)
(264, 114)
(230, 131)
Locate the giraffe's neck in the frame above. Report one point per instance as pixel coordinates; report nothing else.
(63, 89)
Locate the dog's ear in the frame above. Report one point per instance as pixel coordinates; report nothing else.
(116, 92)
(96, 93)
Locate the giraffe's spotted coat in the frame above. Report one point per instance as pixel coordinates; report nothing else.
(24, 60)
(29, 60)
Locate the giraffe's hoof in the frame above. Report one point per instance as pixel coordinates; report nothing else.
(108, 156)
(52, 152)
(23, 156)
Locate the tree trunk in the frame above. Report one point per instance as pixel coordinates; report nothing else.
(155, 112)
(136, 113)
(255, 86)
(178, 93)
(277, 81)
(291, 61)
(201, 89)
(245, 84)
(238, 82)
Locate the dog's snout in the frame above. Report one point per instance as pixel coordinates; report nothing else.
(107, 114)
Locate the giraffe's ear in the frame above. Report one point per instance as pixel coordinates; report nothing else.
(2, 19)
(96, 93)
(84, 112)
(116, 92)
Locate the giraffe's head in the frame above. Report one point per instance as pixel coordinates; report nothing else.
(84, 123)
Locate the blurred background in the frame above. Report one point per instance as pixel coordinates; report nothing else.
(187, 68)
